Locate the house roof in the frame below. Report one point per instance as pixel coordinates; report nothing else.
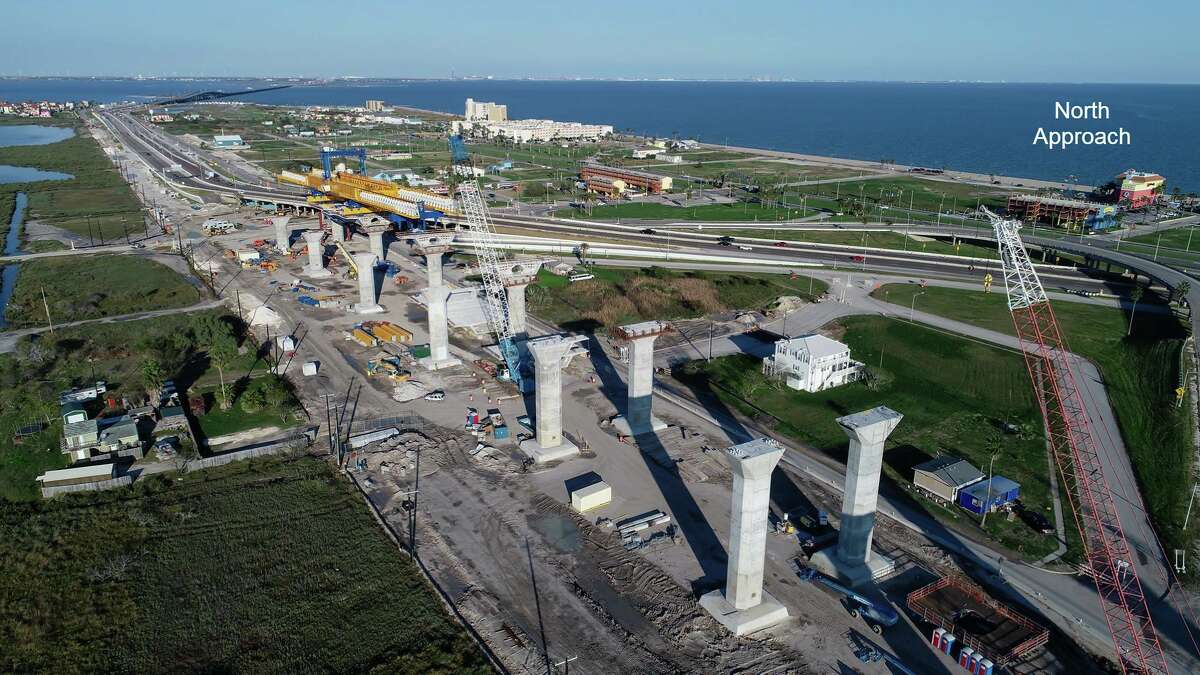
(81, 428)
(72, 406)
(818, 346)
(98, 471)
(999, 485)
(952, 471)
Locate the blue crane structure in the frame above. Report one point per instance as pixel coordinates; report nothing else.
(328, 155)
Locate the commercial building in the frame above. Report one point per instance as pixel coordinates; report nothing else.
(229, 141)
(603, 185)
(487, 111)
(1067, 213)
(1139, 188)
(534, 131)
(812, 363)
(647, 153)
(989, 495)
(943, 477)
(374, 105)
(639, 180)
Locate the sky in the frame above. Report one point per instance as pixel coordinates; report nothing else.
(901, 40)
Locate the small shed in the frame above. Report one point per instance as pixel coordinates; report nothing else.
(77, 475)
(989, 495)
(943, 477)
(73, 411)
(171, 417)
(591, 496)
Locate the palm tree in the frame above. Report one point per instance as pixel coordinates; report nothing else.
(1135, 295)
(152, 377)
(1180, 292)
(218, 339)
(583, 251)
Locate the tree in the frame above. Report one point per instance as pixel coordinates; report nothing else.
(217, 337)
(152, 377)
(1179, 293)
(583, 251)
(1135, 295)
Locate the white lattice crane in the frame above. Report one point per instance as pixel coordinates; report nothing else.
(1106, 551)
(491, 262)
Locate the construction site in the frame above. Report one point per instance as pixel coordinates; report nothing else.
(580, 515)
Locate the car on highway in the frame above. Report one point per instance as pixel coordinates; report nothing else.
(746, 248)
(137, 245)
(725, 238)
(648, 231)
(724, 243)
(858, 258)
(780, 244)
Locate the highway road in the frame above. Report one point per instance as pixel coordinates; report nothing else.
(1069, 598)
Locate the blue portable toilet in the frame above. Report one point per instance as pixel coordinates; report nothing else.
(501, 432)
(989, 494)
(985, 667)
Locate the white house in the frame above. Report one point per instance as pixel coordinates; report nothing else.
(812, 363)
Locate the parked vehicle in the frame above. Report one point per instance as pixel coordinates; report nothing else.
(438, 395)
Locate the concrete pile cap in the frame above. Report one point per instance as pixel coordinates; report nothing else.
(521, 270)
(643, 329)
(755, 448)
(432, 243)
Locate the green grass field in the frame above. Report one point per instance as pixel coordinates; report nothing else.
(263, 566)
(902, 191)
(1140, 372)
(1182, 238)
(739, 212)
(956, 396)
(97, 194)
(621, 295)
(90, 287)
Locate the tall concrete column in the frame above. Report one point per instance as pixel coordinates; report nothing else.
(375, 237)
(439, 332)
(433, 267)
(551, 355)
(368, 303)
(867, 431)
(338, 230)
(743, 607)
(517, 319)
(283, 233)
(316, 254)
(639, 418)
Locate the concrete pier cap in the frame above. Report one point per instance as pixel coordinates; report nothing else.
(316, 254)
(854, 560)
(639, 417)
(551, 355)
(743, 606)
(433, 247)
(368, 302)
(516, 277)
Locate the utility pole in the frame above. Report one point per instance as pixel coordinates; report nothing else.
(47, 306)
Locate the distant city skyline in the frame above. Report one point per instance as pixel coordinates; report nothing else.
(872, 40)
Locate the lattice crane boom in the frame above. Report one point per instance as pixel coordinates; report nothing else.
(491, 264)
(1106, 550)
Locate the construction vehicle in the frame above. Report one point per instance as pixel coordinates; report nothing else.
(491, 267)
(388, 366)
(341, 247)
(877, 615)
(1107, 553)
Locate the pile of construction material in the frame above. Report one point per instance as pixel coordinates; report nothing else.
(632, 529)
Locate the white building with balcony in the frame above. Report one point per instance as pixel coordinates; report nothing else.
(812, 363)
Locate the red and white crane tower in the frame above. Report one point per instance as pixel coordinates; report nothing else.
(1106, 551)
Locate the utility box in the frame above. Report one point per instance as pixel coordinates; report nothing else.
(286, 342)
(310, 368)
(591, 497)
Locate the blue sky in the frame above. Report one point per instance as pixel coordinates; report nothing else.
(1014, 40)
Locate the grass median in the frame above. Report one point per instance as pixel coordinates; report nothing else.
(619, 295)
